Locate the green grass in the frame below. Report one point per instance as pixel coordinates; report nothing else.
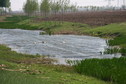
(23, 69)
(17, 18)
(120, 40)
(116, 31)
(109, 29)
(57, 27)
(50, 27)
(105, 69)
(12, 23)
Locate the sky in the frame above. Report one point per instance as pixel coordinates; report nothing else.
(16, 5)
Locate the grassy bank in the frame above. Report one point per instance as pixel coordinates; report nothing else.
(18, 68)
(117, 33)
(53, 27)
(56, 27)
(105, 69)
(11, 22)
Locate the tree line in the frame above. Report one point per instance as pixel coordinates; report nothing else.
(118, 2)
(46, 7)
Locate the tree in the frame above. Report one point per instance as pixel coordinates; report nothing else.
(123, 6)
(55, 6)
(4, 4)
(64, 6)
(30, 7)
(117, 3)
(7, 3)
(1, 6)
(109, 2)
(73, 8)
(45, 7)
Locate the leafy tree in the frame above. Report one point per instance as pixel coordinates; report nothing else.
(45, 7)
(5, 4)
(30, 7)
(64, 5)
(73, 8)
(2, 3)
(55, 6)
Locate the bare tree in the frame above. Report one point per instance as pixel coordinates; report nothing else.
(123, 6)
(109, 2)
(117, 3)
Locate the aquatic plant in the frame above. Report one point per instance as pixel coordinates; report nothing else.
(105, 69)
(115, 50)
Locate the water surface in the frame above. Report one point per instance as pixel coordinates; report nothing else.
(61, 47)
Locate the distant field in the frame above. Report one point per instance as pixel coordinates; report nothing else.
(94, 18)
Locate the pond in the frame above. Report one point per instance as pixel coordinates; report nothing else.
(60, 47)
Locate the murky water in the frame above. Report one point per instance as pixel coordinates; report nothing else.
(61, 47)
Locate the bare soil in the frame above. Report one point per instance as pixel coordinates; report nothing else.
(94, 18)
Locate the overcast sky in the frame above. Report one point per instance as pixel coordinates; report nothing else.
(17, 4)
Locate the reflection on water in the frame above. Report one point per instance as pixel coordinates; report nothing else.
(61, 47)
